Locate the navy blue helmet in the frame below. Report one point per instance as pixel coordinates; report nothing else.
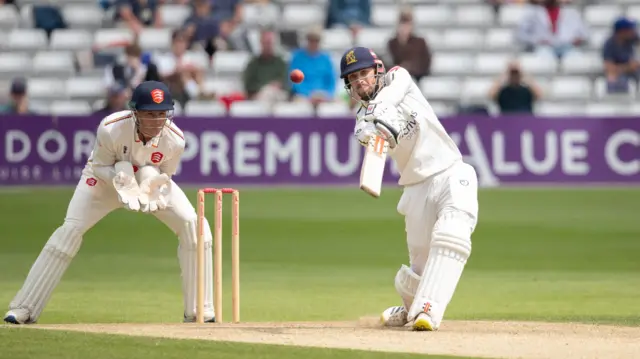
(151, 96)
(359, 58)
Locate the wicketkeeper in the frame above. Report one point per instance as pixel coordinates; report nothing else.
(136, 153)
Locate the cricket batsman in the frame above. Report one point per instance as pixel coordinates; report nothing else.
(439, 200)
(136, 153)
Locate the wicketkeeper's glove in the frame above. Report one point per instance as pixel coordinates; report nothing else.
(154, 193)
(127, 187)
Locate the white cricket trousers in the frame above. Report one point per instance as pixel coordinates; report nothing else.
(93, 200)
(455, 189)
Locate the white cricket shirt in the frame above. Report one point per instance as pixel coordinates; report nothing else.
(117, 140)
(424, 147)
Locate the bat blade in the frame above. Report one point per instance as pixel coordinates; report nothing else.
(373, 164)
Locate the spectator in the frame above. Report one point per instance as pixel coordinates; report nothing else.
(552, 26)
(227, 10)
(133, 71)
(618, 53)
(353, 14)
(184, 77)
(320, 79)
(265, 77)
(9, 2)
(269, 13)
(228, 13)
(117, 97)
(409, 50)
(514, 93)
(19, 103)
(203, 28)
(138, 14)
(497, 3)
(48, 18)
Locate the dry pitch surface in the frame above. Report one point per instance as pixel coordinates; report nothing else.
(525, 340)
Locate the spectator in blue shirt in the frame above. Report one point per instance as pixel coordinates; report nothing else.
(618, 53)
(319, 74)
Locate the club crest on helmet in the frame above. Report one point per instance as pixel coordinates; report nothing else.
(350, 58)
(157, 96)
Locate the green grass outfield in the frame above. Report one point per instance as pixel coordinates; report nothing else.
(327, 254)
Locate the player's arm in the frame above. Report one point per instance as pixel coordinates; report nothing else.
(398, 82)
(384, 110)
(390, 122)
(104, 155)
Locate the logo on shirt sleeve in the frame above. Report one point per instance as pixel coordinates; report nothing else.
(156, 157)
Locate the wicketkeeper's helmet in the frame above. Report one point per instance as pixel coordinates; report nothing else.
(151, 96)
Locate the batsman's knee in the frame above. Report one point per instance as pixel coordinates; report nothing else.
(452, 233)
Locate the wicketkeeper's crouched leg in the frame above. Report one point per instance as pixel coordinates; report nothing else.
(90, 203)
(181, 217)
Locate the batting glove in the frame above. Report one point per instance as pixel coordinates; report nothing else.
(364, 131)
(386, 119)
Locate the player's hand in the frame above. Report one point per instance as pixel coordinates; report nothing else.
(380, 110)
(154, 193)
(386, 118)
(128, 191)
(364, 131)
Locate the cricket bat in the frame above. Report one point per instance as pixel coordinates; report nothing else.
(375, 158)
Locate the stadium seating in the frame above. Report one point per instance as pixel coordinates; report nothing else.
(471, 45)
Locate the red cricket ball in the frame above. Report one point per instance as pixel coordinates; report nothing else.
(296, 76)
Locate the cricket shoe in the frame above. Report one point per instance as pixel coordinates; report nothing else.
(394, 317)
(193, 319)
(423, 323)
(18, 316)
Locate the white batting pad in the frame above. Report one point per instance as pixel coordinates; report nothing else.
(406, 283)
(450, 249)
(48, 269)
(188, 257)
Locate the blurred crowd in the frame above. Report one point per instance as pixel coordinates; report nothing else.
(217, 25)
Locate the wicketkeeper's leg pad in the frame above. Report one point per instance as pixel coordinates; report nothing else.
(188, 257)
(406, 283)
(48, 269)
(450, 249)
